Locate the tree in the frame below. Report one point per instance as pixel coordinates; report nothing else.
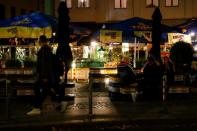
(181, 54)
(63, 37)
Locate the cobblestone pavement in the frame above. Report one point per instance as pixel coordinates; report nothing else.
(104, 109)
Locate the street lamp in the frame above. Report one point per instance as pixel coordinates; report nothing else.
(192, 34)
(54, 34)
(93, 43)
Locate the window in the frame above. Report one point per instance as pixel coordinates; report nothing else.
(2, 12)
(152, 3)
(12, 11)
(172, 3)
(69, 3)
(83, 3)
(120, 3)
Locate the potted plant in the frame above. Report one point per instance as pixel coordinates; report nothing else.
(181, 54)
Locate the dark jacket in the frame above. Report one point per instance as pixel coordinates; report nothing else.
(152, 75)
(45, 67)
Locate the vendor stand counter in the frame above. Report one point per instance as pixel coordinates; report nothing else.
(78, 74)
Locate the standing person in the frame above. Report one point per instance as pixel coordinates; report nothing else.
(47, 76)
(152, 78)
(168, 69)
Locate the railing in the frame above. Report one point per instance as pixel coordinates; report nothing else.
(11, 83)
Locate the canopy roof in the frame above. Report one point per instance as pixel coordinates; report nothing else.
(138, 24)
(139, 28)
(188, 26)
(28, 26)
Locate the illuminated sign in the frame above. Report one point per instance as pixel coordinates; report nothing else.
(108, 36)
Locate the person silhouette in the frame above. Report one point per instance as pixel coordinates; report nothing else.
(47, 76)
(168, 69)
(152, 78)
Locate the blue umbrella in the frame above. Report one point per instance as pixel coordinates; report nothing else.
(188, 26)
(140, 28)
(27, 26)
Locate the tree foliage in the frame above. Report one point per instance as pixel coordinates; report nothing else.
(182, 53)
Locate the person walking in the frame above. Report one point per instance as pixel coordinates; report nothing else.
(47, 76)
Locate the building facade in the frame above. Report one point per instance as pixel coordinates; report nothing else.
(12, 8)
(103, 11)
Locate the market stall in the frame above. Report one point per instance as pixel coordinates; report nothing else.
(126, 42)
(19, 46)
(131, 34)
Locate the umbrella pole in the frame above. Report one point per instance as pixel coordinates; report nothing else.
(134, 57)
